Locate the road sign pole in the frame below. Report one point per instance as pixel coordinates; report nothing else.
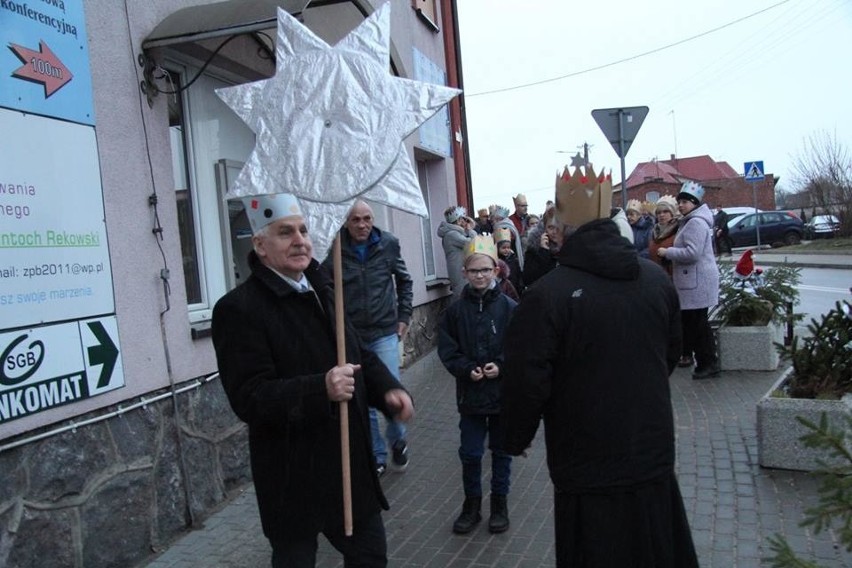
(620, 126)
(753, 174)
(621, 153)
(756, 214)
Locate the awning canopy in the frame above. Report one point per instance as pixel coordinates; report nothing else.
(222, 18)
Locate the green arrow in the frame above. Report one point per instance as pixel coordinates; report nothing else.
(105, 353)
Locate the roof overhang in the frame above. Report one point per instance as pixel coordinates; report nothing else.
(231, 17)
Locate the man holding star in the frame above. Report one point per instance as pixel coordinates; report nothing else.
(329, 128)
(275, 345)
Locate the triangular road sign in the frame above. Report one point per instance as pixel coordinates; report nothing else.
(624, 121)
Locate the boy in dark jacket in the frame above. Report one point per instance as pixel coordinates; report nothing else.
(470, 345)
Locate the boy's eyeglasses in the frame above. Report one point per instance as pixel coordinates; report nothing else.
(478, 271)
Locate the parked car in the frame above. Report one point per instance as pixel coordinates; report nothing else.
(822, 227)
(739, 211)
(775, 227)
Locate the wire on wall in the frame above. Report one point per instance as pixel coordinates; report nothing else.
(158, 232)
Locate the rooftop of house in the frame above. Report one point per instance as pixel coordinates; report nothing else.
(679, 170)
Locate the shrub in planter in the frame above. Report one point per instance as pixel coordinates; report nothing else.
(835, 492)
(757, 298)
(822, 361)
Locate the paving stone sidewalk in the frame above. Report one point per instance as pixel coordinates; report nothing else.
(733, 505)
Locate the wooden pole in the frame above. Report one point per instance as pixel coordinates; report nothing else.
(344, 405)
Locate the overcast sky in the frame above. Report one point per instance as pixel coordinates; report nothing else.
(753, 90)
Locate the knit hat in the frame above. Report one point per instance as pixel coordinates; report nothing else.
(502, 234)
(667, 203)
(452, 214)
(691, 191)
(481, 244)
(264, 209)
(745, 266)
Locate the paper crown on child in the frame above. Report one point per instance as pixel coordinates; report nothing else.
(583, 197)
(649, 207)
(481, 244)
(482, 212)
(745, 266)
(519, 199)
(264, 209)
(452, 215)
(502, 234)
(634, 205)
(666, 203)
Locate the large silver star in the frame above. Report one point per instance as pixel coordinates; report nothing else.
(330, 124)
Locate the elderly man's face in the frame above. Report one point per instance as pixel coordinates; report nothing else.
(360, 222)
(285, 246)
(521, 208)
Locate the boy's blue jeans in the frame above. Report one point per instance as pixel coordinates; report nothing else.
(474, 428)
(387, 349)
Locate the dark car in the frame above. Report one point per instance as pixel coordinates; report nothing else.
(775, 227)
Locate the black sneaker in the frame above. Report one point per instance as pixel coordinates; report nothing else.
(381, 469)
(399, 460)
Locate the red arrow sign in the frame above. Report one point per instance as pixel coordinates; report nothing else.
(41, 66)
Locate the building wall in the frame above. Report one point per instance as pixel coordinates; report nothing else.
(731, 192)
(106, 481)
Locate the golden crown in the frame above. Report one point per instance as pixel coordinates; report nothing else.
(634, 205)
(502, 234)
(583, 197)
(481, 244)
(649, 207)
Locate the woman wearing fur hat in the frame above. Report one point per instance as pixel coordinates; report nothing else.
(455, 231)
(696, 278)
(640, 225)
(663, 233)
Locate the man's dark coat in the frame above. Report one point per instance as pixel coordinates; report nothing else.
(589, 350)
(274, 347)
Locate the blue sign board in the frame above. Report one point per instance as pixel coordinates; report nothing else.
(44, 60)
(754, 171)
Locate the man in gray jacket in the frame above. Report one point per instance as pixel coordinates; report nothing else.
(377, 291)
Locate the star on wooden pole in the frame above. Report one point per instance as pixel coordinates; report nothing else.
(330, 124)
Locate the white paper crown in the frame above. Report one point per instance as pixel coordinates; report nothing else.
(264, 209)
(453, 214)
(634, 205)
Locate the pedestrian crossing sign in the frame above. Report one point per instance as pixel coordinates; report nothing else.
(754, 171)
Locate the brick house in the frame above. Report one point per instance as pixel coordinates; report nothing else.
(723, 185)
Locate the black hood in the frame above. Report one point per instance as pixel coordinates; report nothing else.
(598, 248)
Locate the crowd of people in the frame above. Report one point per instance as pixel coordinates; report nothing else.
(549, 316)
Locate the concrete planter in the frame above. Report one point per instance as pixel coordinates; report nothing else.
(778, 431)
(749, 348)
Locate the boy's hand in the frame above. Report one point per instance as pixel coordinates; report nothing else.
(477, 374)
